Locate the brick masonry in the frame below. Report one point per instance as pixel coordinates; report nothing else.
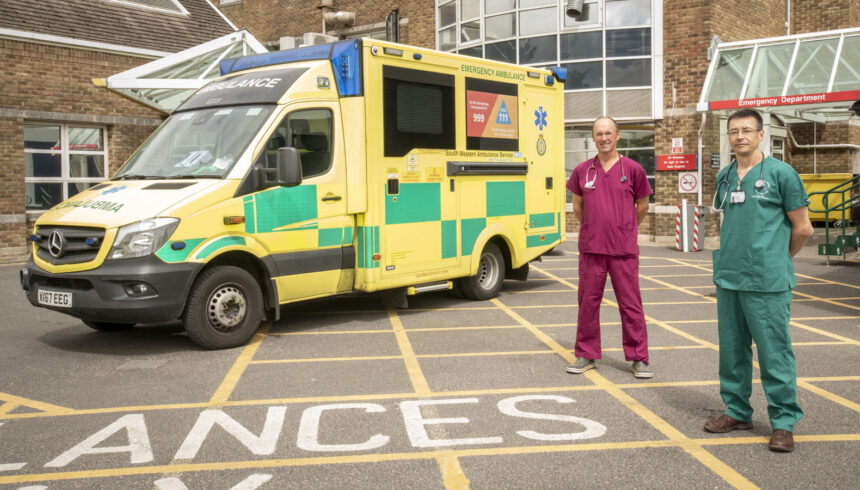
(269, 20)
(42, 82)
(54, 83)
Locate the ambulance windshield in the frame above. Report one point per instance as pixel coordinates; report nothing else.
(196, 144)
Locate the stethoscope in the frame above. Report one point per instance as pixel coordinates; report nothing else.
(589, 184)
(759, 184)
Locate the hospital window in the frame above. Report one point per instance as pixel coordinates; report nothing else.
(418, 108)
(607, 49)
(637, 143)
(61, 160)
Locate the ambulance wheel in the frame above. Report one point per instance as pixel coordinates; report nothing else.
(107, 326)
(225, 308)
(491, 273)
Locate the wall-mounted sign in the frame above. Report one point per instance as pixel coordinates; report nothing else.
(676, 162)
(688, 182)
(846, 96)
(677, 145)
(715, 160)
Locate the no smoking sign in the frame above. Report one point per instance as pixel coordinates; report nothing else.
(688, 182)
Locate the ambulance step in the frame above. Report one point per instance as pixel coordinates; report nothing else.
(426, 288)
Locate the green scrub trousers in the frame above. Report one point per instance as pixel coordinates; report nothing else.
(746, 317)
(754, 276)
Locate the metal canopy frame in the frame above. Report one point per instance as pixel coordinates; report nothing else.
(164, 83)
(741, 70)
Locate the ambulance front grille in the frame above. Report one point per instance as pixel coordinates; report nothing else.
(60, 245)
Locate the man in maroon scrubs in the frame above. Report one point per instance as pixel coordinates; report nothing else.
(610, 199)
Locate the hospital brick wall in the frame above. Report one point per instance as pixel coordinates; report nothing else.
(12, 222)
(823, 160)
(42, 82)
(688, 31)
(41, 77)
(270, 20)
(823, 15)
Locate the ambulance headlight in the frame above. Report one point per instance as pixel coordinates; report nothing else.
(142, 238)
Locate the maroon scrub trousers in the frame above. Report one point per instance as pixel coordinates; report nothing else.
(607, 245)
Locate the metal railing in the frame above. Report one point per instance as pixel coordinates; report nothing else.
(845, 196)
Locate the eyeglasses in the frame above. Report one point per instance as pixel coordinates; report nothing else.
(745, 132)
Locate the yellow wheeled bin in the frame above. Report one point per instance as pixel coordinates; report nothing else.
(821, 183)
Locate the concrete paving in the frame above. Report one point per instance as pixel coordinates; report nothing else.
(448, 393)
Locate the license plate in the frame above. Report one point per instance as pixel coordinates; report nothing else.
(55, 298)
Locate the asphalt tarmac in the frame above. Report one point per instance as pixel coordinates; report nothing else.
(343, 393)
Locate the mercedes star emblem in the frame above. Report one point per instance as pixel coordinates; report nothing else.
(55, 246)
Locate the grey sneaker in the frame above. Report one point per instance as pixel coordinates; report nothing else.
(641, 370)
(581, 365)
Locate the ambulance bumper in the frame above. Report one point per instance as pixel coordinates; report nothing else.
(140, 290)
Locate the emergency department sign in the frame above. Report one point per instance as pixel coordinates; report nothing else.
(491, 115)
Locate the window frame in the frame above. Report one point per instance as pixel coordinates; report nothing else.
(65, 178)
(397, 143)
(263, 157)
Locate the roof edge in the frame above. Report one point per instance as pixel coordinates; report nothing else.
(80, 43)
(231, 24)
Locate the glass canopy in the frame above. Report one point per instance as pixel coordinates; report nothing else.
(164, 83)
(806, 77)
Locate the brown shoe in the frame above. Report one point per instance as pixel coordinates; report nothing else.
(782, 441)
(724, 423)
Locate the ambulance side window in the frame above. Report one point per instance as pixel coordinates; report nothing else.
(310, 132)
(418, 108)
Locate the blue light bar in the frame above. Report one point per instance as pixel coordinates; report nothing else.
(559, 72)
(346, 64)
(317, 52)
(345, 59)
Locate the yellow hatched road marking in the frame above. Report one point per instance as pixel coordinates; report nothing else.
(413, 456)
(325, 359)
(827, 300)
(807, 386)
(416, 376)
(827, 281)
(502, 353)
(12, 402)
(834, 299)
(452, 474)
(830, 396)
(393, 396)
(222, 394)
(710, 461)
(824, 333)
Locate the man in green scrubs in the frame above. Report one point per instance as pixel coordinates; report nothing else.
(765, 223)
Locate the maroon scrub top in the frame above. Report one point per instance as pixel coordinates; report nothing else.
(609, 224)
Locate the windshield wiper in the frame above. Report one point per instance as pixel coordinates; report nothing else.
(191, 176)
(138, 177)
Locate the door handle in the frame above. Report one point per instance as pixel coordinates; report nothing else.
(331, 197)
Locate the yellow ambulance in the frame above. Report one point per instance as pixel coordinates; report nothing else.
(358, 165)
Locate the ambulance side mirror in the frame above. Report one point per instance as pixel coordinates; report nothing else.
(289, 167)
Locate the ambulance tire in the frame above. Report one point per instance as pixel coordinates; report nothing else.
(491, 274)
(107, 326)
(224, 309)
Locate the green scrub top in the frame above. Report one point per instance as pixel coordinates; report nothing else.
(754, 238)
